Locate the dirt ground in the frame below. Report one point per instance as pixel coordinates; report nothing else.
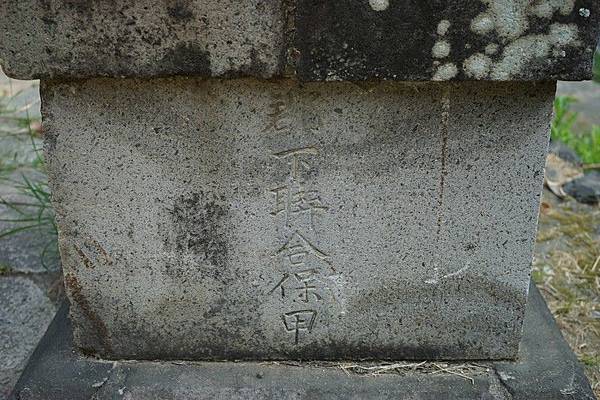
(566, 268)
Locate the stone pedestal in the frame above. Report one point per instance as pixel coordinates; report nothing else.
(291, 179)
(238, 219)
(546, 369)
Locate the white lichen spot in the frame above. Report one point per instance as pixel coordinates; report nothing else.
(510, 17)
(441, 49)
(482, 24)
(379, 5)
(547, 8)
(491, 49)
(559, 53)
(443, 27)
(542, 10)
(523, 51)
(518, 54)
(477, 66)
(445, 72)
(584, 12)
(562, 34)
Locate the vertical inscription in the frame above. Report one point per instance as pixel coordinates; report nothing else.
(295, 206)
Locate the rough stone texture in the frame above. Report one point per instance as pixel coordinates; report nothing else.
(443, 40)
(546, 370)
(402, 226)
(65, 38)
(326, 40)
(24, 316)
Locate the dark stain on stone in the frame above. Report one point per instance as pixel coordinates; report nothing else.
(367, 44)
(254, 67)
(428, 298)
(470, 246)
(83, 8)
(216, 309)
(75, 290)
(199, 228)
(186, 58)
(86, 260)
(180, 11)
(91, 253)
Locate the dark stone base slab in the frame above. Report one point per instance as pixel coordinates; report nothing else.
(547, 369)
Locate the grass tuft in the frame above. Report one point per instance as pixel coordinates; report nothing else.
(586, 144)
(29, 207)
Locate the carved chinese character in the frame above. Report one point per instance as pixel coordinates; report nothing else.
(297, 248)
(306, 279)
(306, 201)
(279, 122)
(296, 199)
(281, 200)
(296, 321)
(281, 285)
(296, 161)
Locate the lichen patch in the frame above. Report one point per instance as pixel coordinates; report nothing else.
(526, 49)
(482, 24)
(491, 49)
(441, 49)
(379, 5)
(443, 27)
(510, 18)
(477, 66)
(547, 8)
(445, 72)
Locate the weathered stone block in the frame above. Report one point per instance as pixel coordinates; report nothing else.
(65, 38)
(208, 219)
(545, 369)
(446, 40)
(348, 40)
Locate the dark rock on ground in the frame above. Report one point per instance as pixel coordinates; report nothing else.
(563, 151)
(585, 189)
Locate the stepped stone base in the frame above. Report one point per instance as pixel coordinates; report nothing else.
(546, 369)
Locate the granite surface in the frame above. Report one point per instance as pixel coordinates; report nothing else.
(207, 219)
(310, 40)
(546, 370)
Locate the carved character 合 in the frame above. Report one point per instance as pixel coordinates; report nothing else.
(297, 248)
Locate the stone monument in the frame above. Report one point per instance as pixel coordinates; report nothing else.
(317, 181)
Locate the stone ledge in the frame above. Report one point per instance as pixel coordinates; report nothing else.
(315, 41)
(547, 369)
